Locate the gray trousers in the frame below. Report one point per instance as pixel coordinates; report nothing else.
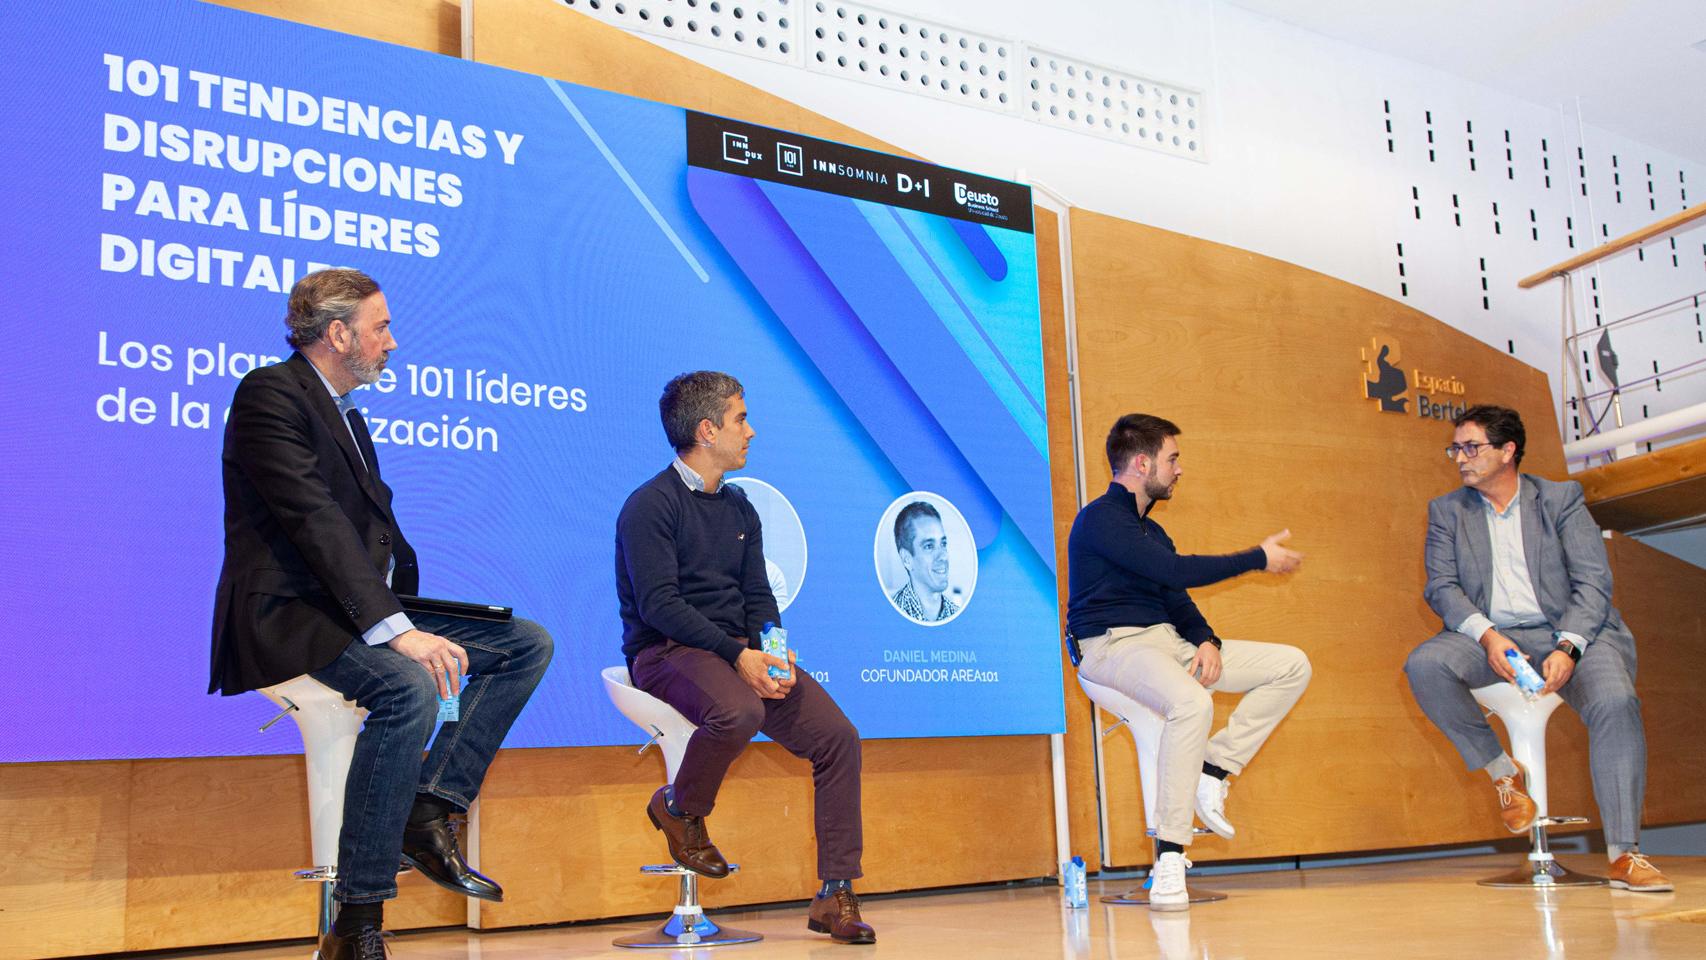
(1443, 670)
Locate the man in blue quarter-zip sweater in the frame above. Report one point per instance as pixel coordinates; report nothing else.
(694, 596)
(1132, 627)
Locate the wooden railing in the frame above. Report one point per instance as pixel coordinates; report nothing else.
(1651, 231)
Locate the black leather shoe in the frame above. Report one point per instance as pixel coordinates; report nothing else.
(431, 848)
(367, 943)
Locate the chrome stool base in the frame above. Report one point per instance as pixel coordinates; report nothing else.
(687, 926)
(1541, 869)
(1543, 873)
(1139, 896)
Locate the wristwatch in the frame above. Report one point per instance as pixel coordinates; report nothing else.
(1214, 640)
(1569, 648)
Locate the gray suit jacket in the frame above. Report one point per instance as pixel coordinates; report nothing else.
(1565, 554)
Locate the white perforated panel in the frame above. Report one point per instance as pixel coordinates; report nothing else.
(767, 29)
(1068, 92)
(906, 53)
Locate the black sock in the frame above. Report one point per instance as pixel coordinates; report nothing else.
(1168, 846)
(1215, 772)
(669, 803)
(428, 808)
(830, 886)
(354, 916)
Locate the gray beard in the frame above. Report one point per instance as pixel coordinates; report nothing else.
(363, 372)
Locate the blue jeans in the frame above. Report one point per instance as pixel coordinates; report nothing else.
(505, 663)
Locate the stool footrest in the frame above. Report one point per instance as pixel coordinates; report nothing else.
(318, 874)
(1558, 821)
(676, 870)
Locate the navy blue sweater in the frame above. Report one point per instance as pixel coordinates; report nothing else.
(690, 568)
(1125, 572)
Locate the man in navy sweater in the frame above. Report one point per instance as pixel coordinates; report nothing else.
(691, 579)
(1134, 628)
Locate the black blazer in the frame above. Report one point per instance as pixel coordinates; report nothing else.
(308, 534)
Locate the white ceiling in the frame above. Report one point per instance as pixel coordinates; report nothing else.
(1637, 67)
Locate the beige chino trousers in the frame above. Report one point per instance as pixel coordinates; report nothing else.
(1148, 664)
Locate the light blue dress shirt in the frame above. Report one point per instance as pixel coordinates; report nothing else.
(396, 624)
(691, 477)
(1511, 601)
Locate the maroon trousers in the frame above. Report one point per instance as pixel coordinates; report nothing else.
(708, 691)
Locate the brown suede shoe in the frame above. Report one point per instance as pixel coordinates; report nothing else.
(838, 916)
(1516, 809)
(689, 844)
(1635, 872)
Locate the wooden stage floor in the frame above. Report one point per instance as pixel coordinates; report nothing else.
(1416, 909)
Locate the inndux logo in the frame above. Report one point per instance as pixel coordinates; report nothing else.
(967, 197)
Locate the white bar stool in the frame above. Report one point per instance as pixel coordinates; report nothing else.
(328, 724)
(687, 926)
(1525, 722)
(1145, 726)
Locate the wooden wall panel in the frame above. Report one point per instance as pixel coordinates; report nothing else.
(434, 25)
(64, 849)
(1258, 361)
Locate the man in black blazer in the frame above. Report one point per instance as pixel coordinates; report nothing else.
(314, 561)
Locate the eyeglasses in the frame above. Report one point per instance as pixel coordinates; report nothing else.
(1469, 450)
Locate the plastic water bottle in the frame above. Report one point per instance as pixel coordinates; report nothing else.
(774, 641)
(1076, 885)
(1529, 682)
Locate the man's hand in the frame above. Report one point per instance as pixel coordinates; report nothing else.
(1557, 669)
(787, 684)
(754, 667)
(1496, 643)
(446, 661)
(1281, 559)
(1205, 666)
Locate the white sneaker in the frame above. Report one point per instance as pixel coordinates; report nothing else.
(1167, 883)
(1211, 804)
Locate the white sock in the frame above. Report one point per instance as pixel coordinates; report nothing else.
(1613, 852)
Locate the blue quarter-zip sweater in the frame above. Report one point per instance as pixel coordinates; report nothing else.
(1123, 571)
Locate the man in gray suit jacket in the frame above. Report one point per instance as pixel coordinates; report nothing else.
(1516, 562)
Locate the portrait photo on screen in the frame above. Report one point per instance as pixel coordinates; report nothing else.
(784, 538)
(926, 559)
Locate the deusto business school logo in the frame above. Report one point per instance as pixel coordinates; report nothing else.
(1384, 381)
(980, 202)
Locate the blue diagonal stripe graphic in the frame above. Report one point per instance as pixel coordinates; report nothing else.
(633, 187)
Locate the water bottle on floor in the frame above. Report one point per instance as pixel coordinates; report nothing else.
(1076, 885)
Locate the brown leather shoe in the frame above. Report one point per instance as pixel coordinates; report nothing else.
(689, 844)
(1635, 872)
(1516, 808)
(838, 916)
